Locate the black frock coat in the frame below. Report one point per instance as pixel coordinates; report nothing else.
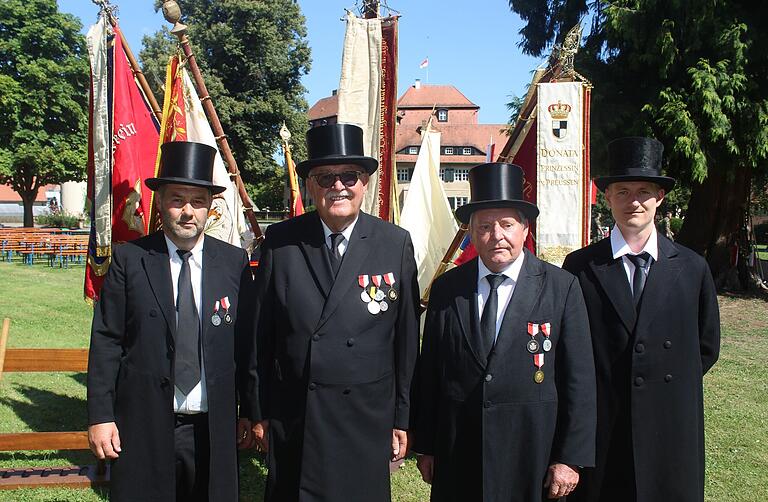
(131, 366)
(650, 364)
(335, 378)
(492, 429)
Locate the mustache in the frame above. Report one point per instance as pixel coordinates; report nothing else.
(343, 193)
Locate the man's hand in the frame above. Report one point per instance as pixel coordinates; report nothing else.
(244, 434)
(104, 440)
(399, 444)
(561, 480)
(260, 432)
(426, 465)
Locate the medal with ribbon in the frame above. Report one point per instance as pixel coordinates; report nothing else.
(532, 346)
(363, 281)
(225, 303)
(546, 330)
(216, 318)
(389, 278)
(538, 361)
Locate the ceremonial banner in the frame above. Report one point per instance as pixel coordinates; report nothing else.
(123, 134)
(387, 178)
(562, 179)
(426, 213)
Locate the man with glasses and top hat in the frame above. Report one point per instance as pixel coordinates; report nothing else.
(655, 332)
(336, 324)
(506, 391)
(167, 333)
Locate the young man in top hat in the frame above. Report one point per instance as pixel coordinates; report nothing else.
(337, 330)
(506, 409)
(655, 332)
(166, 332)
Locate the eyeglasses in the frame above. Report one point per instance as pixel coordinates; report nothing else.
(347, 178)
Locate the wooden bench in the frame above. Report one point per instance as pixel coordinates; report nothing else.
(49, 360)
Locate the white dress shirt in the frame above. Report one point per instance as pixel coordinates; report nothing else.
(345, 235)
(621, 249)
(504, 291)
(197, 400)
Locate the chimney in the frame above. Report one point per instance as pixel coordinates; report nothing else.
(417, 84)
(334, 92)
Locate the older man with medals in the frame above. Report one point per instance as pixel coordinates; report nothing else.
(337, 335)
(506, 409)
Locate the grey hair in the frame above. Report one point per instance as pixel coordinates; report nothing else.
(520, 217)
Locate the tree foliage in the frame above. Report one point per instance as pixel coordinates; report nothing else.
(43, 98)
(690, 73)
(252, 56)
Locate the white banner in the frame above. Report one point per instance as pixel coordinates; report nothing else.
(560, 186)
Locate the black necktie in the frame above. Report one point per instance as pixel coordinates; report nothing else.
(335, 254)
(187, 369)
(488, 319)
(640, 261)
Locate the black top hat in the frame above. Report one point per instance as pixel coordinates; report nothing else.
(335, 144)
(635, 159)
(186, 163)
(496, 185)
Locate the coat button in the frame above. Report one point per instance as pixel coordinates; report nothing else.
(639, 381)
(488, 377)
(667, 378)
(667, 344)
(165, 381)
(346, 391)
(153, 313)
(312, 386)
(315, 338)
(639, 348)
(487, 404)
(350, 342)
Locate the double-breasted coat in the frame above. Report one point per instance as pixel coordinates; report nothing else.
(492, 429)
(131, 366)
(335, 378)
(649, 364)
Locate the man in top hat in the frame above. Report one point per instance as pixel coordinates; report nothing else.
(166, 332)
(655, 331)
(506, 409)
(337, 330)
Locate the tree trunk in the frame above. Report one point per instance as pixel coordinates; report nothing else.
(28, 197)
(714, 225)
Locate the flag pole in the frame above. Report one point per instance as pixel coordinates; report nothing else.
(457, 239)
(172, 14)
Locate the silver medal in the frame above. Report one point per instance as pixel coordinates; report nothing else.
(374, 308)
(215, 319)
(379, 295)
(547, 345)
(364, 296)
(532, 346)
(384, 306)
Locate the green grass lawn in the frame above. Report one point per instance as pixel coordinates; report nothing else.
(47, 310)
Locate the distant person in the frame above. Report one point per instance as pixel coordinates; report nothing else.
(164, 345)
(665, 226)
(655, 328)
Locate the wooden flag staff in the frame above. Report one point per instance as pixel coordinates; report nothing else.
(172, 14)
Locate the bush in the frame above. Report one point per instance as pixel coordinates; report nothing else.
(676, 224)
(761, 233)
(58, 220)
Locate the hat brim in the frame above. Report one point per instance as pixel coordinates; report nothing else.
(664, 182)
(368, 163)
(464, 213)
(155, 183)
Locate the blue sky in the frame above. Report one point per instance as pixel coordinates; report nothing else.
(470, 44)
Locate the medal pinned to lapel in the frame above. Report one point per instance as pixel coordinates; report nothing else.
(389, 278)
(538, 361)
(225, 303)
(362, 280)
(532, 346)
(546, 330)
(216, 318)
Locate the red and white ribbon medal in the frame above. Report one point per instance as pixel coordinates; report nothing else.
(389, 278)
(225, 303)
(532, 346)
(538, 361)
(363, 281)
(379, 297)
(546, 330)
(216, 318)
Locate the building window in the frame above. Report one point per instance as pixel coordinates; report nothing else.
(461, 174)
(442, 115)
(457, 202)
(448, 176)
(413, 150)
(449, 150)
(466, 151)
(442, 173)
(404, 174)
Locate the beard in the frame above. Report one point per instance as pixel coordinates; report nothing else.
(176, 228)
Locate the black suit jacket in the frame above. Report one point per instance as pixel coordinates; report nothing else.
(492, 429)
(649, 367)
(131, 360)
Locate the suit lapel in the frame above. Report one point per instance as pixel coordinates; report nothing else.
(612, 277)
(662, 273)
(158, 270)
(313, 248)
(360, 245)
(526, 295)
(466, 310)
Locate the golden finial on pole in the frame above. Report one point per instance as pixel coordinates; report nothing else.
(172, 14)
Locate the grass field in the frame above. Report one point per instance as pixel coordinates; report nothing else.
(47, 310)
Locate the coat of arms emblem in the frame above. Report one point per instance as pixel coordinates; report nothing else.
(559, 113)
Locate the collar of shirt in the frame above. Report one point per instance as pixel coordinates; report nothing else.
(620, 247)
(197, 251)
(346, 234)
(504, 291)
(511, 272)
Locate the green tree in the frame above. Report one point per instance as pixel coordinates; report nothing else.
(43, 98)
(692, 74)
(252, 56)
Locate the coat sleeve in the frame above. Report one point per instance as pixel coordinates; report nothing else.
(106, 349)
(709, 321)
(575, 435)
(262, 356)
(247, 379)
(406, 336)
